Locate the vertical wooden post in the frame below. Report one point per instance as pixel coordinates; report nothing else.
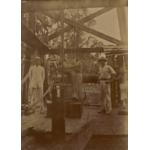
(58, 122)
(62, 45)
(122, 19)
(62, 86)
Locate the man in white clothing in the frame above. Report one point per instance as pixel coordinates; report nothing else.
(74, 68)
(105, 73)
(36, 77)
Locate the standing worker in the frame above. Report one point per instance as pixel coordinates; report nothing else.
(105, 73)
(77, 81)
(73, 67)
(37, 77)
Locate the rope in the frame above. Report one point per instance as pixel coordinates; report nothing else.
(37, 102)
(46, 92)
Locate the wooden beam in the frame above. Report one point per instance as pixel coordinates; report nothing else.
(29, 38)
(123, 24)
(35, 5)
(89, 30)
(97, 13)
(92, 31)
(82, 21)
(89, 50)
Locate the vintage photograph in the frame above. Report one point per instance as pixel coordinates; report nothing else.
(74, 75)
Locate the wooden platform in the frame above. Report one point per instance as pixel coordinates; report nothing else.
(111, 125)
(103, 124)
(82, 131)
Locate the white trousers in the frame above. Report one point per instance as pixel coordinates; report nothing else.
(105, 96)
(77, 85)
(36, 97)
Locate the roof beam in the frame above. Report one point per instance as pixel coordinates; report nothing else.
(89, 30)
(82, 21)
(29, 38)
(92, 31)
(90, 50)
(39, 5)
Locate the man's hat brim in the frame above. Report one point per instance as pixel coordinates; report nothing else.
(37, 58)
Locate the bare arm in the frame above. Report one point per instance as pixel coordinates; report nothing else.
(112, 71)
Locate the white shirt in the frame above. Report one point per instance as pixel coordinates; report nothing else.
(106, 72)
(36, 76)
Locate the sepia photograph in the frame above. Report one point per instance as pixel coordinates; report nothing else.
(74, 75)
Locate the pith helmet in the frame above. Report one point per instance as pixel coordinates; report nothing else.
(102, 57)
